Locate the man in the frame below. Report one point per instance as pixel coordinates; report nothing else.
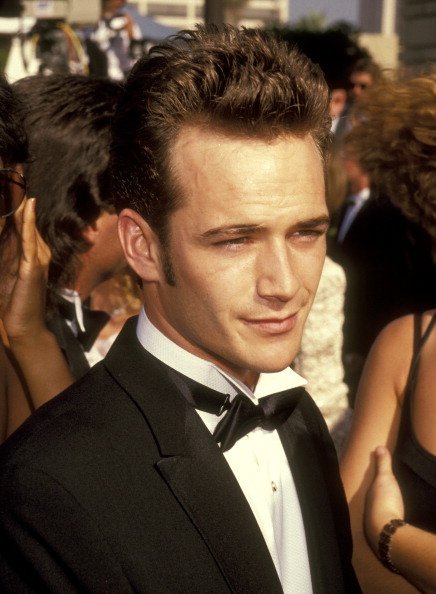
(162, 470)
(363, 74)
(114, 34)
(67, 119)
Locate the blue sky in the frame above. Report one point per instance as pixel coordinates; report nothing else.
(335, 10)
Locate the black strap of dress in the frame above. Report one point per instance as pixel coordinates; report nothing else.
(419, 341)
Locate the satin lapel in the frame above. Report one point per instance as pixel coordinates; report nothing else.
(69, 344)
(359, 222)
(195, 469)
(300, 443)
(340, 219)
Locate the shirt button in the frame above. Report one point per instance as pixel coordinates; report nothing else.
(273, 486)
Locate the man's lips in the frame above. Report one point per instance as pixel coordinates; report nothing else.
(273, 325)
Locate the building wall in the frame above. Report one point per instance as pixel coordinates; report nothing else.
(186, 13)
(383, 48)
(378, 16)
(415, 23)
(417, 27)
(370, 16)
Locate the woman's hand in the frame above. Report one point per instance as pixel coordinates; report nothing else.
(384, 501)
(25, 309)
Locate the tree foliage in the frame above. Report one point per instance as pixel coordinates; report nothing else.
(312, 21)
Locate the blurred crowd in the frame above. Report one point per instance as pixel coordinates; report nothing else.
(107, 45)
(369, 343)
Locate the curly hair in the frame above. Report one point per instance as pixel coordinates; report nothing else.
(395, 139)
(242, 83)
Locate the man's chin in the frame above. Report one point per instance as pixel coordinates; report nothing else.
(273, 364)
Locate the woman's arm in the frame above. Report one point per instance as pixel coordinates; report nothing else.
(33, 350)
(3, 394)
(376, 421)
(412, 551)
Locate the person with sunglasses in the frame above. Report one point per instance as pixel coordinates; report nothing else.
(26, 380)
(363, 74)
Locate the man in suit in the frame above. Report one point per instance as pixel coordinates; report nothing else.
(167, 468)
(364, 73)
(387, 262)
(67, 119)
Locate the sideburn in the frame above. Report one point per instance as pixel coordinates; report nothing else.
(168, 266)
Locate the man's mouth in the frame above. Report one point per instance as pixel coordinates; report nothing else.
(274, 325)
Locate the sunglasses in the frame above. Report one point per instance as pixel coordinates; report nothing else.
(12, 191)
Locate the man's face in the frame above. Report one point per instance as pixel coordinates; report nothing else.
(246, 247)
(359, 82)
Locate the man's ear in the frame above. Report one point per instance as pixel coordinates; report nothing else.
(140, 244)
(90, 232)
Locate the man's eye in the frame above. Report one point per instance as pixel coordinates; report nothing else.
(308, 234)
(233, 241)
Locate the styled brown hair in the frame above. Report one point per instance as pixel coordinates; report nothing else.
(237, 82)
(395, 139)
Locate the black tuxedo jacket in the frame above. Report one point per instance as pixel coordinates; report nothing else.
(117, 486)
(389, 270)
(69, 344)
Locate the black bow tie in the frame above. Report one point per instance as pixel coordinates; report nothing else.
(93, 321)
(242, 414)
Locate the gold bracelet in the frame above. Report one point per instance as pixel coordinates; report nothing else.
(384, 544)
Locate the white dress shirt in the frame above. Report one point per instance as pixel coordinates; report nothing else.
(257, 460)
(93, 356)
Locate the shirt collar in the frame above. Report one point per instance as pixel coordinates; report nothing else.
(360, 197)
(205, 372)
(73, 297)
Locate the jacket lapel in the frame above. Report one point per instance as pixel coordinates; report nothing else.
(69, 344)
(195, 469)
(207, 489)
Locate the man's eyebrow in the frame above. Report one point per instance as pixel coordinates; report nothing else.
(231, 230)
(317, 222)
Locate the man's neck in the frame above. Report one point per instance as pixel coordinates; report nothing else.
(206, 372)
(84, 283)
(356, 186)
(250, 379)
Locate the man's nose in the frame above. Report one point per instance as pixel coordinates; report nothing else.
(276, 277)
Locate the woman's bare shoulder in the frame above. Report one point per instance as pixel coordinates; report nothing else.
(402, 328)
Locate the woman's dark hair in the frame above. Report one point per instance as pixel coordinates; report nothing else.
(13, 140)
(13, 149)
(67, 119)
